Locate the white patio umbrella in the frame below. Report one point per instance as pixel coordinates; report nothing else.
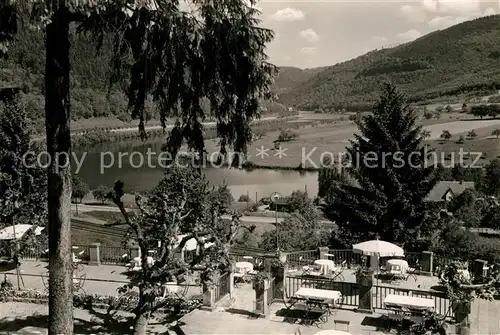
(17, 232)
(378, 248)
(192, 244)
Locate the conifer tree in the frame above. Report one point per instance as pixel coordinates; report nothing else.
(388, 164)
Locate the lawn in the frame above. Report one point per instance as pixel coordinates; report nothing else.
(87, 233)
(108, 217)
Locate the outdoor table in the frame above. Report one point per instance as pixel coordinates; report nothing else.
(136, 262)
(325, 264)
(405, 301)
(243, 267)
(464, 273)
(312, 293)
(394, 264)
(332, 332)
(170, 287)
(317, 300)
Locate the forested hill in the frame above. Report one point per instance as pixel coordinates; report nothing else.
(90, 75)
(290, 77)
(461, 59)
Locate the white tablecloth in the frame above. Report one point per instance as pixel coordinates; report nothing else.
(409, 302)
(332, 332)
(397, 265)
(244, 267)
(464, 273)
(136, 262)
(326, 265)
(170, 287)
(312, 293)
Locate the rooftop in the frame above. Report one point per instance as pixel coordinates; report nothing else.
(457, 187)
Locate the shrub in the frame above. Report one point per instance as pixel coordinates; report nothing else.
(287, 135)
(244, 198)
(253, 208)
(428, 115)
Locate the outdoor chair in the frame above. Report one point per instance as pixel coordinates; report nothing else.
(78, 283)
(411, 273)
(396, 315)
(415, 315)
(336, 274)
(315, 312)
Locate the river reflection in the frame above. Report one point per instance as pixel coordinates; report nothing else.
(106, 163)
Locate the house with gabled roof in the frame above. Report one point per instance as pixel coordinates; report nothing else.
(444, 191)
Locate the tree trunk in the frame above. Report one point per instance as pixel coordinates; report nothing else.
(144, 310)
(57, 122)
(141, 323)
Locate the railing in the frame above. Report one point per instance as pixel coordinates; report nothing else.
(441, 303)
(38, 252)
(440, 262)
(222, 286)
(340, 255)
(32, 253)
(114, 255)
(236, 254)
(301, 258)
(82, 252)
(350, 295)
(413, 259)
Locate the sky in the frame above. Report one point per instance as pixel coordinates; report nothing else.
(318, 33)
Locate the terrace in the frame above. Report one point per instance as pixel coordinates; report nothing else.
(362, 307)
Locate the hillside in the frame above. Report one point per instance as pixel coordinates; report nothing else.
(89, 79)
(463, 59)
(290, 77)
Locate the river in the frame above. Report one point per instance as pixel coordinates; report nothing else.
(101, 165)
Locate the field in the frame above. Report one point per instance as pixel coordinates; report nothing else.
(319, 141)
(89, 227)
(86, 233)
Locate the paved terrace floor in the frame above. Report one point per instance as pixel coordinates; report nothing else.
(101, 280)
(235, 319)
(484, 315)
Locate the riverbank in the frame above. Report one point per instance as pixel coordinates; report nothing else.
(93, 137)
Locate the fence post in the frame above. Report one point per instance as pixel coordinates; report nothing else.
(94, 255)
(209, 297)
(322, 251)
(261, 295)
(364, 279)
(135, 252)
(427, 263)
(265, 306)
(231, 280)
(478, 268)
